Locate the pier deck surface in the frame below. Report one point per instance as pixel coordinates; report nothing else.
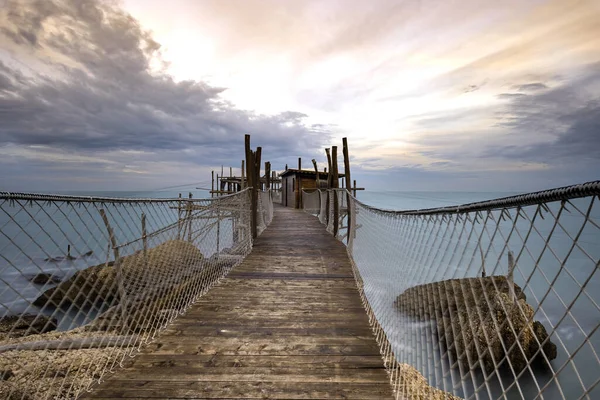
(287, 323)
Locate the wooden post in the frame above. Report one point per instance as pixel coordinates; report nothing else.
(250, 166)
(212, 185)
(317, 174)
(328, 202)
(243, 184)
(117, 266)
(347, 179)
(335, 183)
(189, 217)
(354, 190)
(268, 174)
(179, 215)
(256, 180)
(299, 181)
(144, 239)
(510, 276)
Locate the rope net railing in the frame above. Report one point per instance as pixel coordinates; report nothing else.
(490, 300)
(85, 282)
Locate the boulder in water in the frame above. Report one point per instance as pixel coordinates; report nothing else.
(479, 322)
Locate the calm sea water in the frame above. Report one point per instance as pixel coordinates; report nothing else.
(575, 332)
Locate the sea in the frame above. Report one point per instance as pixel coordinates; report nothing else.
(565, 293)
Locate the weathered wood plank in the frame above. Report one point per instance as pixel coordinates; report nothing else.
(287, 323)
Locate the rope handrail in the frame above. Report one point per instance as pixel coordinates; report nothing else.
(99, 199)
(558, 194)
(486, 300)
(86, 281)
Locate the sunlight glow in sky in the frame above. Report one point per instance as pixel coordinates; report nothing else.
(454, 95)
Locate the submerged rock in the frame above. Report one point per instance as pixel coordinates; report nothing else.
(478, 321)
(14, 326)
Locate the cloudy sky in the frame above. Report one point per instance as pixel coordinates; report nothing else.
(470, 95)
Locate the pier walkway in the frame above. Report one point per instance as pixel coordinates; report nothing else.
(287, 323)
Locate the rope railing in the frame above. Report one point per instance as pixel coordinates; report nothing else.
(86, 281)
(490, 300)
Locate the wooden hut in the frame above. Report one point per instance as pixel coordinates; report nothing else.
(293, 181)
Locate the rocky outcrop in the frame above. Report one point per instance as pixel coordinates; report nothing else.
(477, 320)
(15, 326)
(97, 285)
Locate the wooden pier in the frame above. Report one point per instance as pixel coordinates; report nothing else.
(287, 323)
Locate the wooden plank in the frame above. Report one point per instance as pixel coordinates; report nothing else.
(287, 323)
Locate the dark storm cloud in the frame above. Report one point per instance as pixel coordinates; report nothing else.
(102, 94)
(569, 114)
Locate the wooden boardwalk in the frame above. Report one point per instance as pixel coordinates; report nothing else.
(287, 323)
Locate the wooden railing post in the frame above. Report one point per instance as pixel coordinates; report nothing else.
(335, 183)
(117, 266)
(347, 178)
(329, 180)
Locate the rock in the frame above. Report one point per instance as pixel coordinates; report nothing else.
(23, 325)
(478, 320)
(97, 285)
(412, 385)
(43, 278)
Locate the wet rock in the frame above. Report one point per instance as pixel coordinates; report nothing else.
(14, 326)
(478, 321)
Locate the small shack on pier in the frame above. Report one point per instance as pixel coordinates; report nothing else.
(293, 181)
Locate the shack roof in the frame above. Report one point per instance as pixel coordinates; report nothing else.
(306, 173)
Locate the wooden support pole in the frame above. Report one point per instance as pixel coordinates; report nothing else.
(335, 183)
(347, 179)
(256, 180)
(354, 189)
(144, 239)
(328, 202)
(189, 218)
(318, 181)
(212, 185)
(250, 167)
(179, 215)
(243, 184)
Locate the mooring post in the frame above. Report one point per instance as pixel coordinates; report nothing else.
(347, 179)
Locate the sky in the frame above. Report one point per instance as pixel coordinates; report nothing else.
(456, 95)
